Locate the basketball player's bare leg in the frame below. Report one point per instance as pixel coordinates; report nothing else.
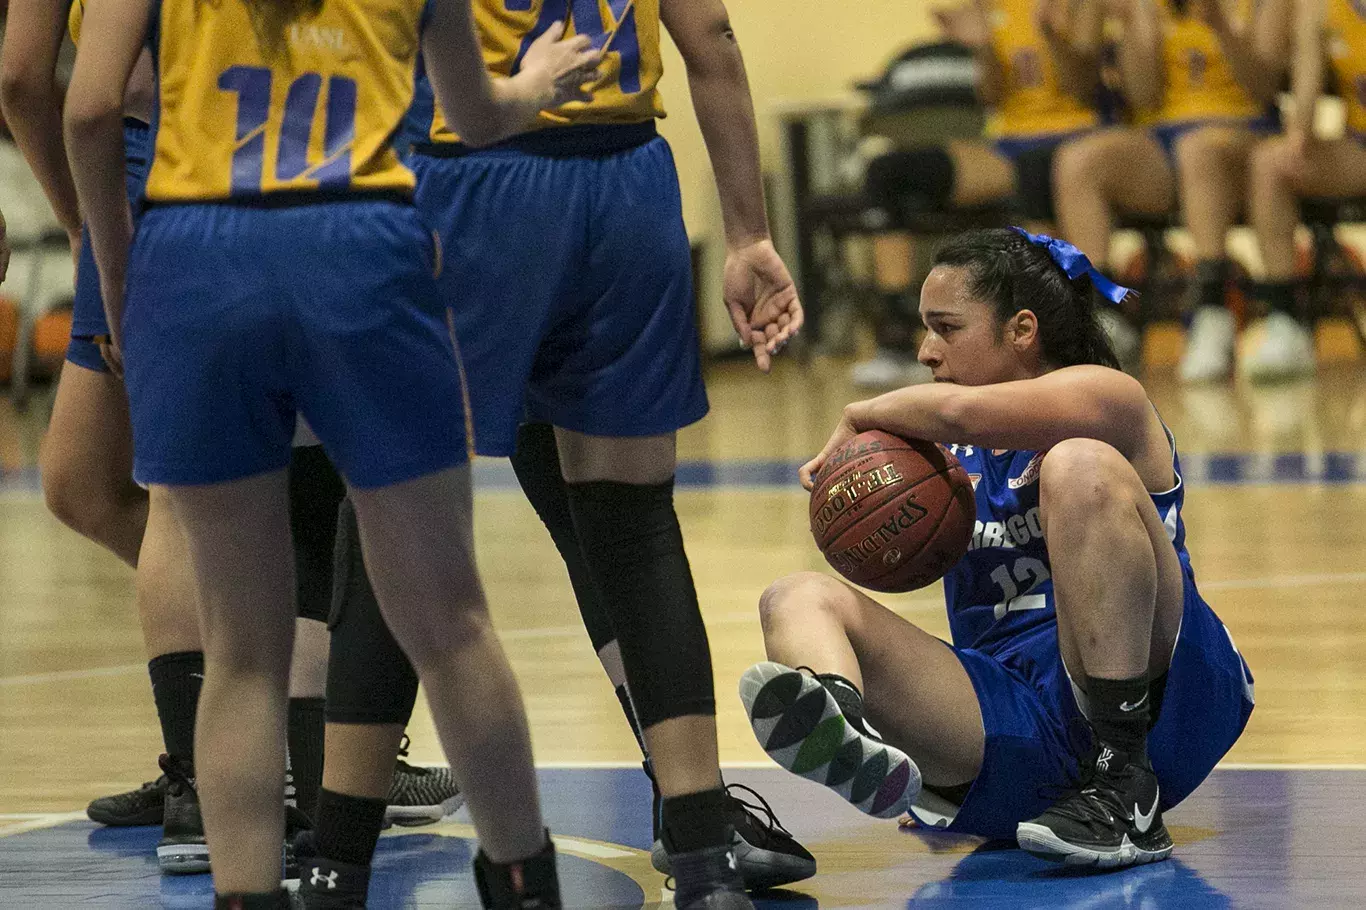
(1105, 173)
(914, 690)
(1119, 594)
(418, 540)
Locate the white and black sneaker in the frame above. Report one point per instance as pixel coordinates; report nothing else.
(799, 723)
(1110, 819)
(420, 795)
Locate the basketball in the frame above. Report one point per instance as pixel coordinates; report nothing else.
(892, 514)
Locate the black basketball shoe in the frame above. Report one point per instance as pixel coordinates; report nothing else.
(183, 850)
(420, 795)
(767, 854)
(144, 806)
(1110, 819)
(708, 879)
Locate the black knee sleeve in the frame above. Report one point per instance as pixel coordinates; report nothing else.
(369, 678)
(920, 178)
(537, 464)
(315, 492)
(1034, 182)
(634, 549)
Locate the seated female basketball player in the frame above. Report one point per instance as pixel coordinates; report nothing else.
(1074, 610)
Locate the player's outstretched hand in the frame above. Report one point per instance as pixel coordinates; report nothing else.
(559, 69)
(844, 431)
(761, 299)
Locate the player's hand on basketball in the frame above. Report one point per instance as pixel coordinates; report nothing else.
(762, 300)
(844, 431)
(557, 68)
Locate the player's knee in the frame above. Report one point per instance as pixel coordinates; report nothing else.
(1084, 477)
(921, 177)
(430, 639)
(1266, 164)
(1206, 152)
(83, 500)
(1077, 164)
(793, 597)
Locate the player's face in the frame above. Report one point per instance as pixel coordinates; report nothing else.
(964, 342)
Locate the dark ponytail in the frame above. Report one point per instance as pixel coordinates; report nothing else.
(270, 18)
(1011, 273)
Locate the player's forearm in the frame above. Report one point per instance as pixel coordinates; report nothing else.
(915, 412)
(1307, 74)
(725, 113)
(1140, 56)
(33, 112)
(94, 132)
(991, 77)
(1259, 78)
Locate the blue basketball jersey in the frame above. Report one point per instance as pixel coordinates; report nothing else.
(999, 592)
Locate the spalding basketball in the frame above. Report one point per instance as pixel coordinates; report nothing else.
(892, 514)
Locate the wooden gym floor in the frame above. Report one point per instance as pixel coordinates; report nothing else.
(1276, 513)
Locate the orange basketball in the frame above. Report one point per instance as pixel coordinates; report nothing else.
(892, 514)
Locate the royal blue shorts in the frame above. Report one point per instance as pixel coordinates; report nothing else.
(1035, 729)
(239, 317)
(1167, 134)
(87, 312)
(570, 276)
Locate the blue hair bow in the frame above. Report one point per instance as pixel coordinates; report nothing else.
(1075, 264)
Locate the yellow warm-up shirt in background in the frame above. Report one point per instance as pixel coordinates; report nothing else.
(1033, 101)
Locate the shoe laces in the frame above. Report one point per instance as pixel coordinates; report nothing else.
(402, 765)
(1093, 796)
(770, 823)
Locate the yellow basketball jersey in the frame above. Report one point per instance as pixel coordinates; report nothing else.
(1033, 101)
(627, 89)
(1346, 25)
(1199, 83)
(316, 114)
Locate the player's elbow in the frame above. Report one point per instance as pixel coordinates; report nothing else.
(20, 91)
(90, 113)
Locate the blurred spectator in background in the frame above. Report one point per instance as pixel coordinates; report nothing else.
(1040, 90)
(1299, 164)
(1201, 78)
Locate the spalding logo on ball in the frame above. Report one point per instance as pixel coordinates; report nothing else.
(892, 514)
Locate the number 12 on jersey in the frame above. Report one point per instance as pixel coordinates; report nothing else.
(585, 17)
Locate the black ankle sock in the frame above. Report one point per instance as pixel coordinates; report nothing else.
(695, 821)
(1211, 279)
(509, 884)
(176, 680)
(306, 724)
(1278, 296)
(268, 900)
(1119, 711)
(347, 828)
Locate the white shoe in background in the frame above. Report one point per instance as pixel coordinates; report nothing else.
(1209, 346)
(1277, 348)
(890, 369)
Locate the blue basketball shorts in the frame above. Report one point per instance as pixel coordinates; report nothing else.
(1035, 728)
(569, 273)
(239, 318)
(1168, 134)
(87, 311)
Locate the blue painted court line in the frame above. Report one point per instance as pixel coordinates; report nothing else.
(1200, 469)
(1288, 838)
